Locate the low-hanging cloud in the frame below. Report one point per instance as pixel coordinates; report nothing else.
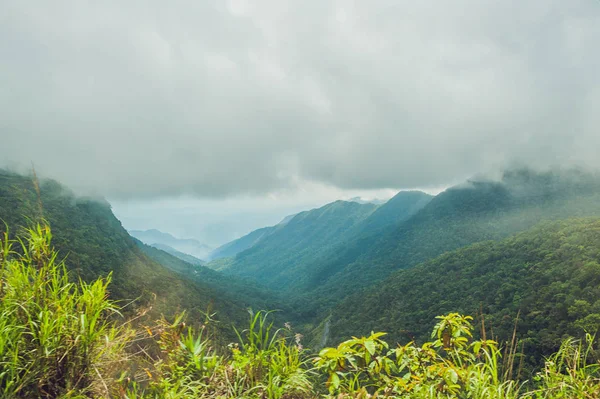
(217, 98)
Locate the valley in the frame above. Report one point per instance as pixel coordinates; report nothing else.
(521, 255)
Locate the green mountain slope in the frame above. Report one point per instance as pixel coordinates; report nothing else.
(279, 258)
(462, 215)
(292, 256)
(238, 291)
(365, 236)
(399, 208)
(178, 254)
(94, 242)
(241, 244)
(549, 275)
(186, 245)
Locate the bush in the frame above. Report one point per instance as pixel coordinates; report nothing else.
(55, 337)
(58, 340)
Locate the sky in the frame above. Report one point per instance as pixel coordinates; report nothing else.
(266, 106)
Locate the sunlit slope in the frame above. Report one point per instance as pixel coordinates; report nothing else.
(291, 256)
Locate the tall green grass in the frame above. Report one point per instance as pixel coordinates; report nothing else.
(55, 337)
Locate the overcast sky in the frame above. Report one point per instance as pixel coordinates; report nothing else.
(146, 100)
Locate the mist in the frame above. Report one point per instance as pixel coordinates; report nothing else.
(220, 99)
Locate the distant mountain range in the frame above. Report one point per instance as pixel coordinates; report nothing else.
(187, 246)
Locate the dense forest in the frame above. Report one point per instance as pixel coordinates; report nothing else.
(544, 282)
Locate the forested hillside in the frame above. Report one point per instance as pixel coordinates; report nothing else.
(241, 244)
(462, 215)
(548, 276)
(95, 244)
(292, 255)
(58, 340)
(239, 291)
(178, 254)
(279, 258)
(186, 245)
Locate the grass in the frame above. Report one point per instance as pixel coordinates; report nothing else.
(65, 339)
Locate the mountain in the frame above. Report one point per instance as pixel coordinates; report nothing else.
(188, 246)
(292, 256)
(549, 276)
(476, 211)
(399, 208)
(95, 244)
(374, 201)
(278, 259)
(241, 292)
(185, 257)
(241, 244)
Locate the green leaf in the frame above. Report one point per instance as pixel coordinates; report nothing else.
(370, 346)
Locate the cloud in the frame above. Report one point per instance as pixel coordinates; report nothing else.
(222, 98)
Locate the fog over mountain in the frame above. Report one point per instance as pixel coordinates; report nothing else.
(219, 98)
(146, 101)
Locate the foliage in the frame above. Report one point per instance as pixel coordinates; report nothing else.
(87, 232)
(460, 216)
(266, 363)
(55, 336)
(231, 288)
(58, 339)
(281, 255)
(571, 372)
(549, 275)
(450, 366)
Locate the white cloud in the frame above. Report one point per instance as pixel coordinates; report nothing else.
(216, 99)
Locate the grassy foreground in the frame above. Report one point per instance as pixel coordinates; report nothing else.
(60, 339)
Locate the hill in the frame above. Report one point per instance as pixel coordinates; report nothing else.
(234, 247)
(94, 243)
(291, 256)
(185, 257)
(188, 246)
(241, 244)
(548, 275)
(241, 292)
(279, 258)
(476, 211)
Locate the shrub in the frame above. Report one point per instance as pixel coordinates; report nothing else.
(55, 336)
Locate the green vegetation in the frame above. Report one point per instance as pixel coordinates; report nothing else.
(280, 258)
(458, 217)
(96, 245)
(59, 339)
(292, 255)
(325, 255)
(184, 257)
(241, 244)
(548, 277)
(340, 271)
(55, 337)
(236, 290)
